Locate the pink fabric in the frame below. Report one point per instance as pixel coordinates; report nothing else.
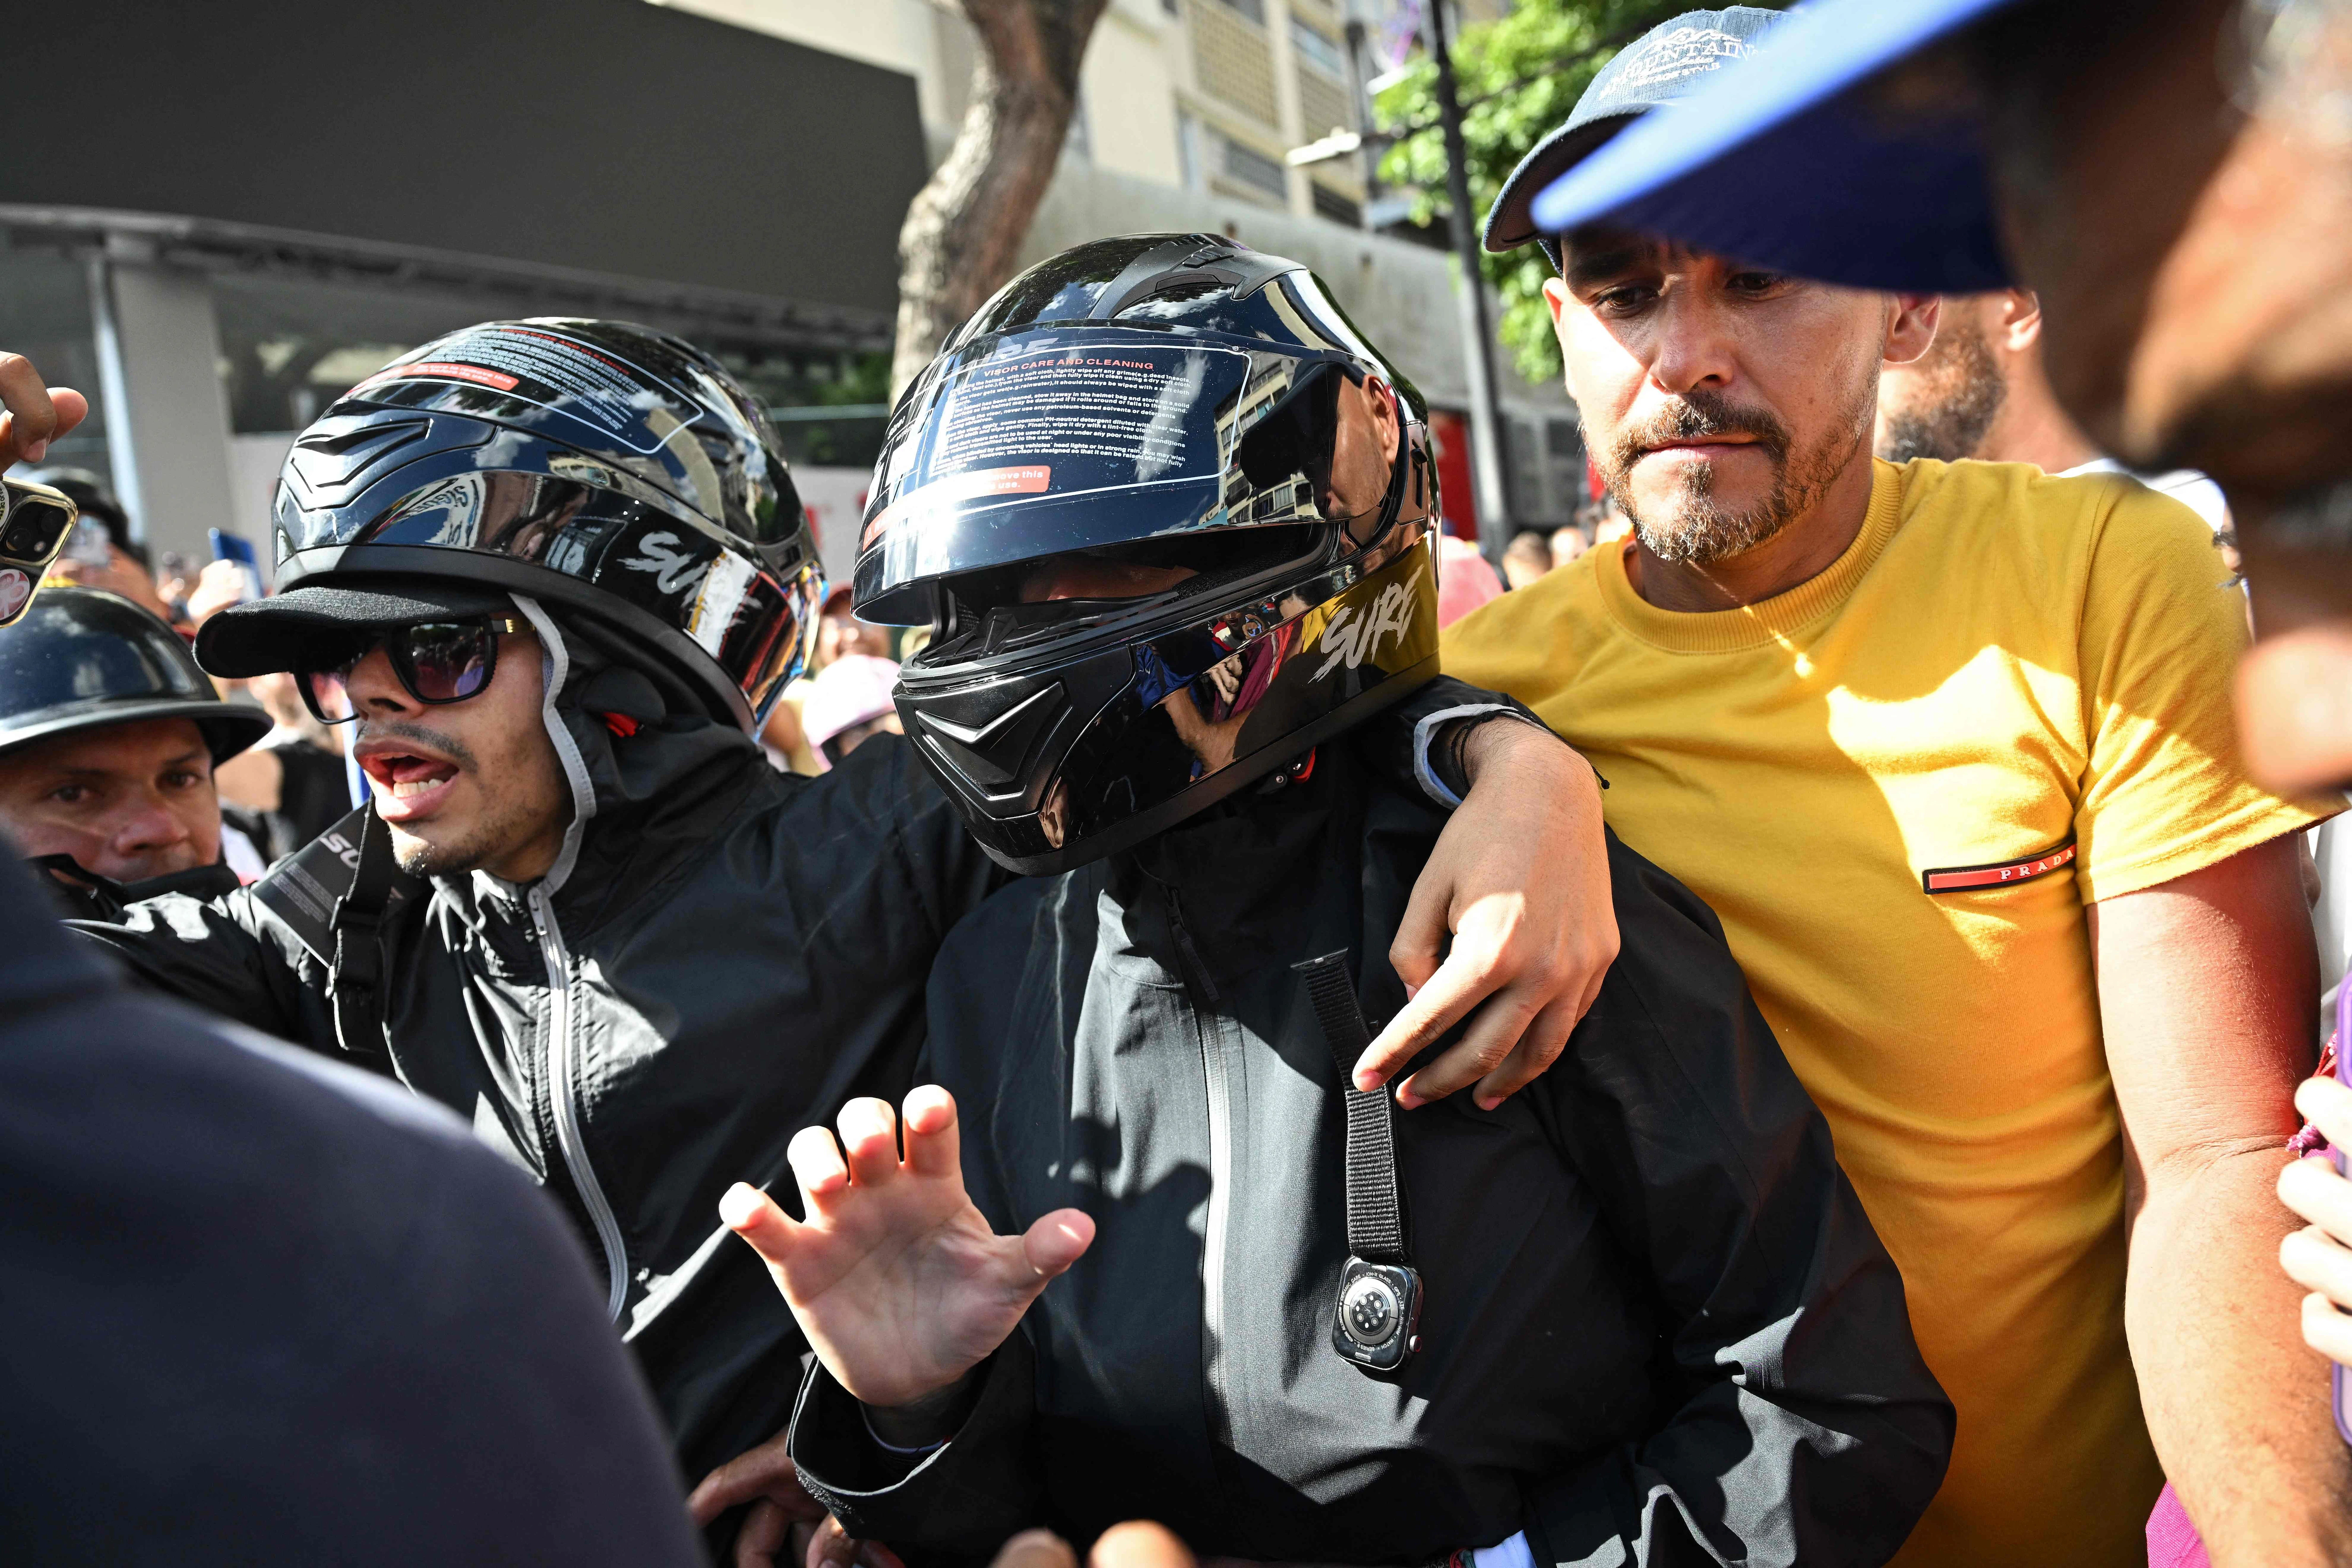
(847, 692)
(1464, 581)
(2172, 1540)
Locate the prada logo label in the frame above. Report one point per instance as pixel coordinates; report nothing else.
(1967, 878)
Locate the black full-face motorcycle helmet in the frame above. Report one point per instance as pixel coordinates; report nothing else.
(617, 474)
(1170, 401)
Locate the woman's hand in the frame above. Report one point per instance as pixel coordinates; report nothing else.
(2320, 1257)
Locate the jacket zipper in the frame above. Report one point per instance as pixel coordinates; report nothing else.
(1221, 1176)
(565, 1095)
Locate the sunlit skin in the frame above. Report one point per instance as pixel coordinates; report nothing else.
(1363, 446)
(127, 801)
(464, 785)
(1651, 331)
(843, 633)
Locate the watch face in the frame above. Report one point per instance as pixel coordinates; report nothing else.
(1378, 1315)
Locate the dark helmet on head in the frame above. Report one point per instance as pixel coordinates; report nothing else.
(1171, 400)
(83, 658)
(617, 474)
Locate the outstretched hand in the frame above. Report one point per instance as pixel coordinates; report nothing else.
(1520, 879)
(896, 1278)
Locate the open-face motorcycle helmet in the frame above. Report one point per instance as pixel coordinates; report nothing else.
(1178, 401)
(83, 659)
(617, 474)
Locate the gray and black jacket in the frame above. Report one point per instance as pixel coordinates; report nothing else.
(723, 955)
(1658, 1326)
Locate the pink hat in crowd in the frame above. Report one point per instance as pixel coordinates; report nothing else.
(845, 693)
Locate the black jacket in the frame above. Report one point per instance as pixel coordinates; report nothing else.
(739, 951)
(257, 1308)
(1659, 1328)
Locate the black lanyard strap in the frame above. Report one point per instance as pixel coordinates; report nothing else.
(1376, 1320)
(1375, 1220)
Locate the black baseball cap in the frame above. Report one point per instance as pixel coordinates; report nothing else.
(281, 632)
(1665, 64)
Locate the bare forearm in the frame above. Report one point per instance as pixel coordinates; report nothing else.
(2236, 1404)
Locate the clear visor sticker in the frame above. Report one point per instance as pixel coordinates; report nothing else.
(1055, 421)
(555, 371)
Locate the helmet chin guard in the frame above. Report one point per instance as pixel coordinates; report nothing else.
(1184, 405)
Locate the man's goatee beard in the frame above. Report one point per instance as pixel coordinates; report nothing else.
(1695, 529)
(1701, 533)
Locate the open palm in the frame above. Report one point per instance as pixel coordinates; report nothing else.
(894, 1276)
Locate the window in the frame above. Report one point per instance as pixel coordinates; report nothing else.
(1339, 208)
(1254, 9)
(1256, 170)
(1315, 49)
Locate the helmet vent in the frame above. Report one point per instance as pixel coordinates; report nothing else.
(987, 753)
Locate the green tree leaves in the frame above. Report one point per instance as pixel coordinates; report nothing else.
(1518, 78)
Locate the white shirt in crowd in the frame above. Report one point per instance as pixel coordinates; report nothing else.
(2186, 486)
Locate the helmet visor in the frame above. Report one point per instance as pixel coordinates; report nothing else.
(749, 620)
(1037, 444)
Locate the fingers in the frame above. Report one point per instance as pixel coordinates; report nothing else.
(1421, 936)
(2328, 1105)
(833, 1547)
(1528, 1060)
(762, 1536)
(1139, 1543)
(2317, 1261)
(818, 1167)
(2326, 1330)
(766, 1471)
(34, 415)
(1056, 1241)
(2311, 1187)
(1036, 1549)
(931, 1134)
(753, 1215)
(1444, 1001)
(869, 1132)
(1494, 1030)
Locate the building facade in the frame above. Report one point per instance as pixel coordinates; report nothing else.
(1188, 113)
(263, 204)
(259, 204)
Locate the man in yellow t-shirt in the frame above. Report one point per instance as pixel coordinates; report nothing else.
(1948, 748)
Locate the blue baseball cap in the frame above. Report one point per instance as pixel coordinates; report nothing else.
(1791, 161)
(1665, 64)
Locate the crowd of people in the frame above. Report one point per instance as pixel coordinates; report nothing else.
(1174, 1015)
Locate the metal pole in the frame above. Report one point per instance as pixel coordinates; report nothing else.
(1486, 414)
(1360, 103)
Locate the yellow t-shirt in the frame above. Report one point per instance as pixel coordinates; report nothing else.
(2002, 667)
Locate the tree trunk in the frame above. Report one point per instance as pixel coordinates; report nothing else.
(964, 228)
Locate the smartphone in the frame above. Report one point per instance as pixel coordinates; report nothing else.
(2341, 1394)
(34, 522)
(236, 547)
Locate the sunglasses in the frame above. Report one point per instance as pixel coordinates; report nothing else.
(437, 662)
